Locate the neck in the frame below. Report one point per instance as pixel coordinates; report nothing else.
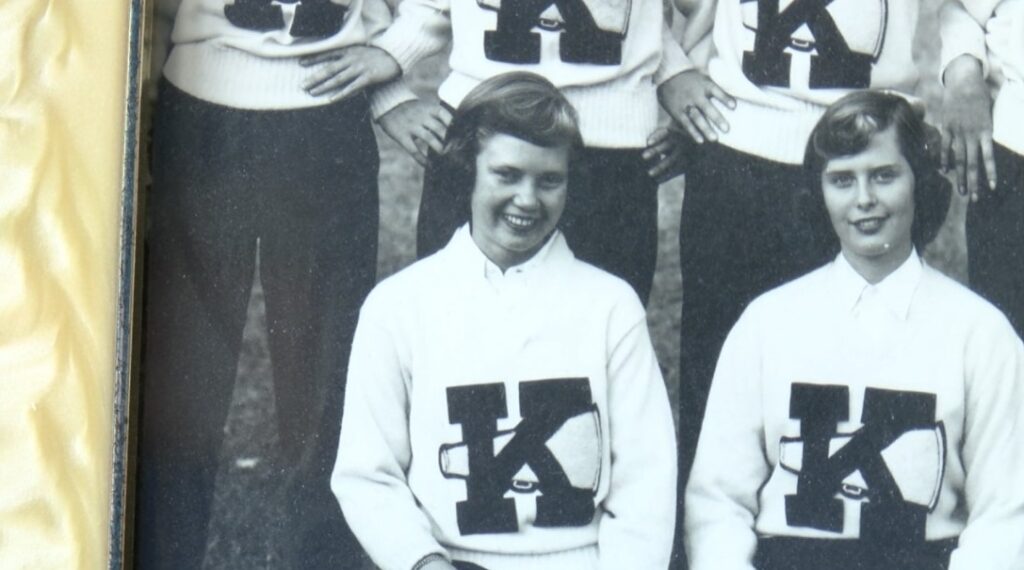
(876, 268)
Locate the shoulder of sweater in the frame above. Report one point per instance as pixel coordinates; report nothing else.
(407, 285)
(791, 295)
(955, 300)
(597, 287)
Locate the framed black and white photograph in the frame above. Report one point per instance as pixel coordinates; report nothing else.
(435, 284)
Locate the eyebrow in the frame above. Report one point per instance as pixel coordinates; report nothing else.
(827, 170)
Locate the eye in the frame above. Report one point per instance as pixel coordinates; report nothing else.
(885, 175)
(551, 181)
(507, 175)
(839, 179)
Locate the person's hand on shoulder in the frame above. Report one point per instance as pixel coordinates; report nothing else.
(344, 72)
(687, 97)
(967, 125)
(418, 126)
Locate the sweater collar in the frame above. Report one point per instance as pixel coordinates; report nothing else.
(895, 292)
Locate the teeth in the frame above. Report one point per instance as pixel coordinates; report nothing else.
(519, 221)
(869, 224)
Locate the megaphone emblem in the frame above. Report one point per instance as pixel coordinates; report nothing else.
(916, 460)
(576, 445)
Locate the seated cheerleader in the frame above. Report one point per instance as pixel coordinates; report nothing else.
(504, 408)
(864, 415)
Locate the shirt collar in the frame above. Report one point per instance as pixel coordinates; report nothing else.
(895, 292)
(462, 242)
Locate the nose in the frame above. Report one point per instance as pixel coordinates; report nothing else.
(866, 197)
(526, 195)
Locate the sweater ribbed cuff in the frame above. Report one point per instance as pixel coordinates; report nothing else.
(770, 133)
(390, 95)
(673, 59)
(960, 35)
(581, 557)
(234, 78)
(412, 37)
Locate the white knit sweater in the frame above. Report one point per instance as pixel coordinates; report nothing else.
(514, 420)
(609, 72)
(245, 54)
(784, 71)
(918, 361)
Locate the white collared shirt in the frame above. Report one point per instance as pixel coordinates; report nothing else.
(878, 311)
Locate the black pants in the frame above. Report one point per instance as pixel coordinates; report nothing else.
(303, 183)
(817, 554)
(610, 219)
(995, 238)
(744, 229)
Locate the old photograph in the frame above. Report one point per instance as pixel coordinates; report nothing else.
(582, 284)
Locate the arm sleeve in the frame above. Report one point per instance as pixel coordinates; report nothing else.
(639, 510)
(422, 28)
(961, 33)
(730, 466)
(993, 453)
(376, 19)
(369, 476)
(387, 96)
(673, 59)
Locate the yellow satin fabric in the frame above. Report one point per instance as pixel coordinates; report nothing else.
(62, 89)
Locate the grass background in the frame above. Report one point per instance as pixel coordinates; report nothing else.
(244, 512)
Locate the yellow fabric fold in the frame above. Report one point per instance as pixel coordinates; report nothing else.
(62, 89)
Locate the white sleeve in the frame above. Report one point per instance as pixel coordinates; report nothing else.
(961, 33)
(730, 466)
(639, 511)
(374, 452)
(422, 28)
(673, 59)
(992, 451)
(376, 20)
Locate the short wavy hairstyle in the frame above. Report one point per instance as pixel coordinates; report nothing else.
(520, 104)
(847, 128)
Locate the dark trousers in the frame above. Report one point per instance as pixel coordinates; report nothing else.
(303, 183)
(817, 554)
(610, 219)
(744, 229)
(995, 239)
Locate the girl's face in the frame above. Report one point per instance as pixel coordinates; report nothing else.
(518, 197)
(870, 199)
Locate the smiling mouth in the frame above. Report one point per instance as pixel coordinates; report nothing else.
(869, 225)
(520, 222)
